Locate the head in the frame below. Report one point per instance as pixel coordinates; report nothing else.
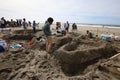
(23, 19)
(34, 21)
(11, 19)
(87, 31)
(50, 20)
(2, 18)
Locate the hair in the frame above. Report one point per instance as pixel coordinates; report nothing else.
(50, 20)
(23, 19)
(87, 31)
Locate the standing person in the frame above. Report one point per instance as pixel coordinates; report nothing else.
(5, 22)
(66, 26)
(47, 32)
(74, 27)
(24, 24)
(34, 26)
(29, 23)
(2, 24)
(12, 23)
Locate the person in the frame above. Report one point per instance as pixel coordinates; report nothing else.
(74, 27)
(24, 24)
(58, 25)
(66, 26)
(34, 26)
(12, 23)
(89, 34)
(3, 24)
(48, 33)
(29, 23)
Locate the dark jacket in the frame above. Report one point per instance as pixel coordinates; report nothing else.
(46, 29)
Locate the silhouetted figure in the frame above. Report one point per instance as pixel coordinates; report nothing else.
(34, 26)
(24, 24)
(74, 27)
(66, 26)
(3, 24)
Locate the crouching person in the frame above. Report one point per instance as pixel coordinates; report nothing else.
(89, 34)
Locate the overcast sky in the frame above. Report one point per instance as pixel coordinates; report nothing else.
(79, 11)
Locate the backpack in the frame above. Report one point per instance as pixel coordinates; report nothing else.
(2, 49)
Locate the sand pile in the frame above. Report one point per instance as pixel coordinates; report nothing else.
(72, 59)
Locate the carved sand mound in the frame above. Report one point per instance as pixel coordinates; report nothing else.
(21, 37)
(60, 41)
(72, 59)
(75, 55)
(22, 31)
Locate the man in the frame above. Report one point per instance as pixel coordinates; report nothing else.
(24, 24)
(3, 23)
(66, 26)
(47, 32)
(34, 26)
(74, 27)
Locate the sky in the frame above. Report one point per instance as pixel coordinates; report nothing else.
(78, 11)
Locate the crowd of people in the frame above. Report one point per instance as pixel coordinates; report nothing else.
(17, 23)
(22, 22)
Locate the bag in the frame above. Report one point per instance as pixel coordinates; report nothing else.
(106, 38)
(3, 43)
(2, 49)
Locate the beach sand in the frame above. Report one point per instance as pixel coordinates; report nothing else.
(97, 30)
(34, 64)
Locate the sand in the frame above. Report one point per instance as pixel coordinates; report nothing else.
(97, 30)
(32, 63)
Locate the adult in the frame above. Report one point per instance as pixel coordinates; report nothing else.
(24, 24)
(0, 23)
(3, 24)
(12, 23)
(66, 26)
(74, 27)
(48, 33)
(34, 26)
